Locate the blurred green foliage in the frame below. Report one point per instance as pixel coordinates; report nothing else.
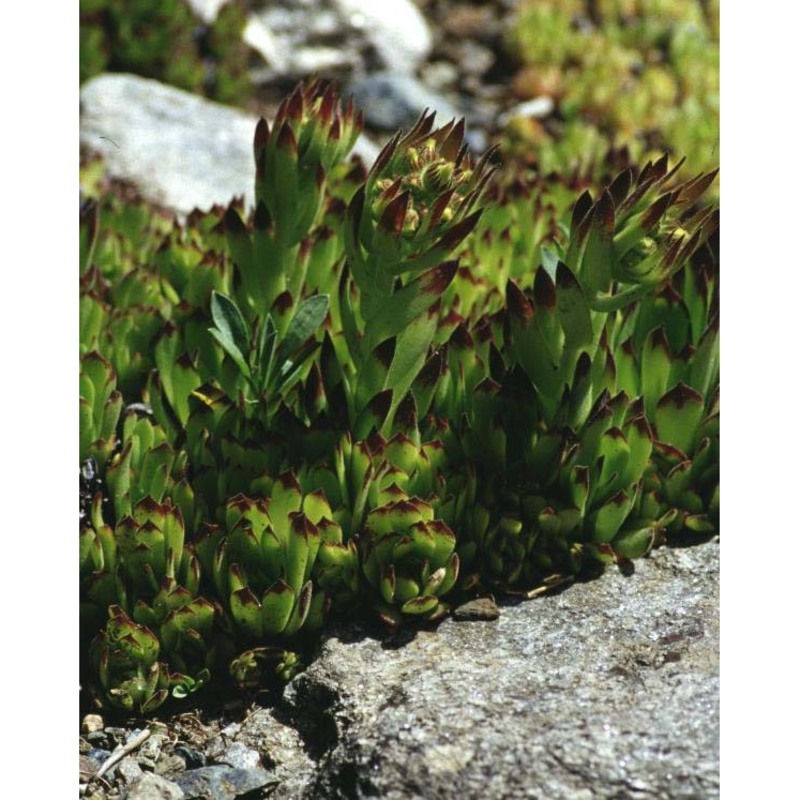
(165, 40)
(641, 74)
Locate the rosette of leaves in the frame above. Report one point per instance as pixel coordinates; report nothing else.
(125, 657)
(420, 200)
(143, 567)
(685, 478)
(147, 465)
(601, 476)
(262, 562)
(408, 558)
(631, 239)
(623, 249)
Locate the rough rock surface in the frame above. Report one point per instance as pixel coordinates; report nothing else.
(179, 150)
(607, 690)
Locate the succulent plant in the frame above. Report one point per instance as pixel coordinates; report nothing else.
(619, 73)
(125, 657)
(318, 409)
(420, 200)
(100, 409)
(409, 558)
(263, 562)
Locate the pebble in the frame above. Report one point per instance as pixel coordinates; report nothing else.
(484, 608)
(92, 723)
(193, 758)
(240, 756)
(169, 765)
(223, 783)
(97, 738)
(538, 108)
(155, 787)
(207, 10)
(98, 755)
(128, 770)
(439, 75)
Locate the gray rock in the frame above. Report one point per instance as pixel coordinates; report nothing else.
(397, 30)
(295, 37)
(609, 689)
(154, 787)
(128, 770)
(392, 100)
(283, 750)
(298, 37)
(222, 783)
(180, 151)
(240, 756)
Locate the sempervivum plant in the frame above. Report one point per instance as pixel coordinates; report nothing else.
(311, 133)
(352, 401)
(142, 567)
(262, 564)
(125, 657)
(421, 198)
(409, 558)
(101, 405)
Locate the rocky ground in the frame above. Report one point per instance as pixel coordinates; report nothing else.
(609, 689)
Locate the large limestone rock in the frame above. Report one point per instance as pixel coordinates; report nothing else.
(179, 150)
(607, 690)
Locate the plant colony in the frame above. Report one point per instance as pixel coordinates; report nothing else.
(380, 391)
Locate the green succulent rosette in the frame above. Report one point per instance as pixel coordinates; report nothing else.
(125, 657)
(409, 559)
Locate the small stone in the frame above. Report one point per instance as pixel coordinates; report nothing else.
(88, 767)
(484, 608)
(170, 765)
(471, 22)
(97, 738)
(538, 108)
(155, 787)
(193, 758)
(439, 75)
(117, 735)
(98, 755)
(207, 10)
(92, 723)
(128, 770)
(223, 783)
(240, 756)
